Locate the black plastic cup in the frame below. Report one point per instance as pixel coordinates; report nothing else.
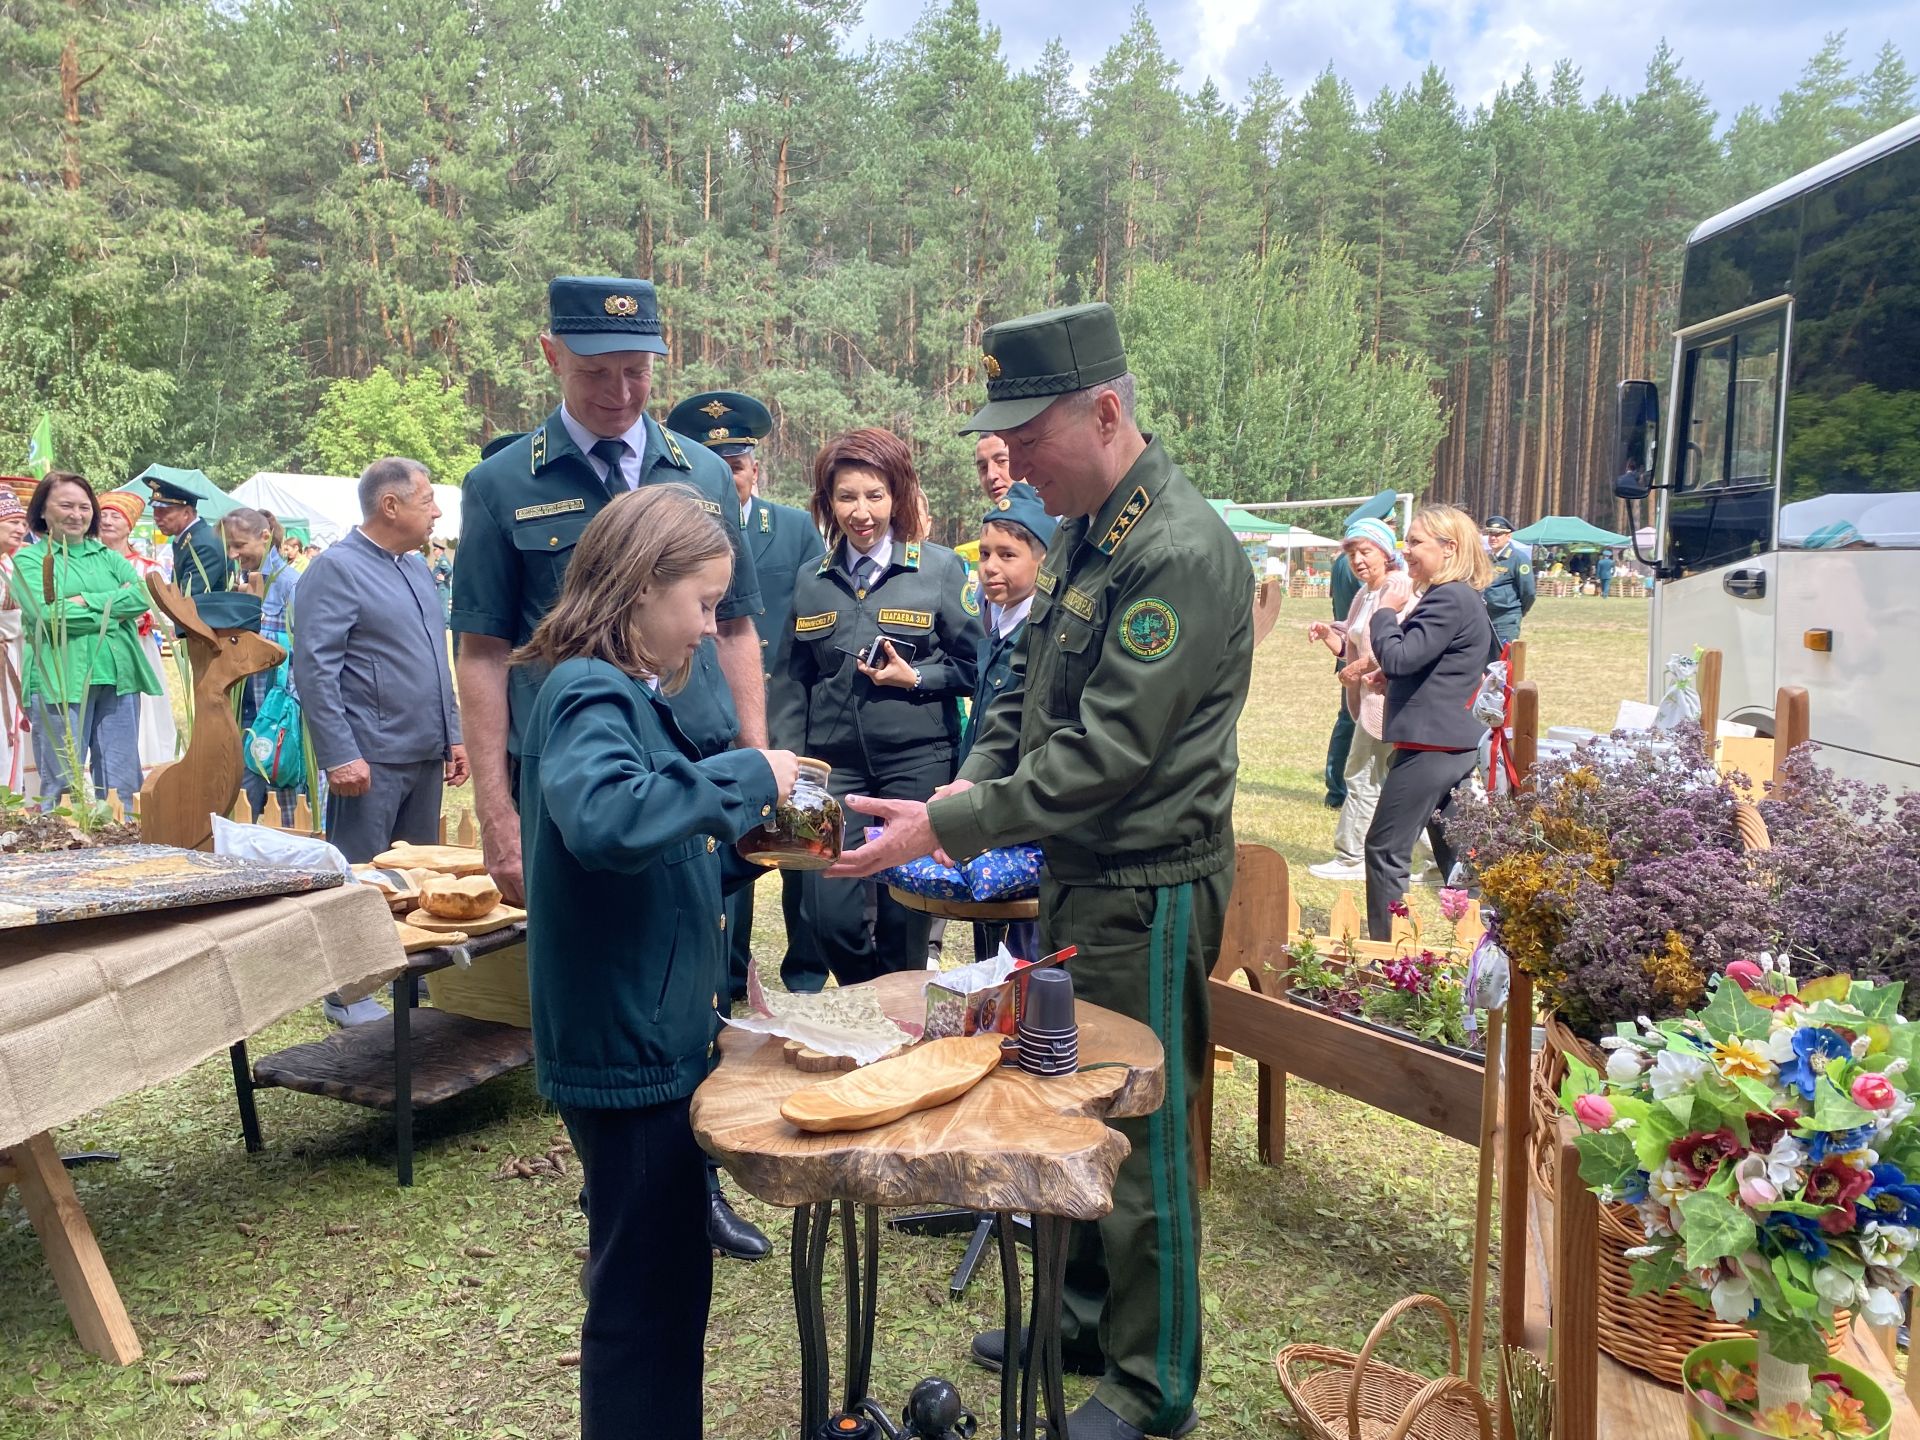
(1049, 1007)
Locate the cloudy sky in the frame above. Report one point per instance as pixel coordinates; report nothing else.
(1742, 51)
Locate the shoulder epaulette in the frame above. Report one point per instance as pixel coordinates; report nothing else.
(766, 521)
(911, 559)
(1123, 523)
(676, 457)
(538, 455)
(826, 561)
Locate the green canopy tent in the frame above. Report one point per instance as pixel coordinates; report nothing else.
(1245, 523)
(214, 502)
(1568, 530)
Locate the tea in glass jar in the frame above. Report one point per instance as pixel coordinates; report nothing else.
(806, 828)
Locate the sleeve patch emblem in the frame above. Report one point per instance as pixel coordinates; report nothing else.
(1148, 629)
(970, 595)
(1524, 569)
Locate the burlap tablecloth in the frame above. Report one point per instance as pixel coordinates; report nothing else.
(97, 1009)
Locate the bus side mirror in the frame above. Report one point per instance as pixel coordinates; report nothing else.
(1636, 433)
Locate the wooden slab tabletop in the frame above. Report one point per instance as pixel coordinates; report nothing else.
(985, 910)
(1013, 1142)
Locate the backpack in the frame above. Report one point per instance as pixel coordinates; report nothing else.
(272, 744)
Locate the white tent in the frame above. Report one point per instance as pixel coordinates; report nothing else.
(1299, 539)
(330, 504)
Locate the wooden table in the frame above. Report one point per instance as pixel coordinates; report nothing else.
(79, 1269)
(1013, 1143)
(424, 1057)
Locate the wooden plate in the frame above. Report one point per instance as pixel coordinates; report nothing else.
(447, 859)
(930, 1074)
(498, 918)
(413, 939)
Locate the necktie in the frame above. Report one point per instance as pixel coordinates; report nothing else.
(612, 451)
(865, 573)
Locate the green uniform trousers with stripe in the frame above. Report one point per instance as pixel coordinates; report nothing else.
(1133, 1278)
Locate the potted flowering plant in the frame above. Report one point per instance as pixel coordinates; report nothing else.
(1766, 1140)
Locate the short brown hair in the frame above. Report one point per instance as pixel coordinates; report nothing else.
(656, 535)
(1469, 561)
(37, 506)
(882, 452)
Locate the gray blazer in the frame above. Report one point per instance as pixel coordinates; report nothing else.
(370, 658)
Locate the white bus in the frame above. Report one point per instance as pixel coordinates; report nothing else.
(1787, 521)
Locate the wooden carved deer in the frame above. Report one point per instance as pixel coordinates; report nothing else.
(179, 798)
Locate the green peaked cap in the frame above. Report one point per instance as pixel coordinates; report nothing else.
(1033, 361)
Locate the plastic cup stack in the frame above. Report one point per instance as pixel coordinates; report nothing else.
(1048, 1038)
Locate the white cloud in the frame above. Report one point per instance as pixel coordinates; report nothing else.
(1740, 51)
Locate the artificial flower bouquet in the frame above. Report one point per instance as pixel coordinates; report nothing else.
(1766, 1140)
(1418, 990)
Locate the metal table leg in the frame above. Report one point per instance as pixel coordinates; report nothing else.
(406, 995)
(1042, 1365)
(1011, 1317)
(810, 1228)
(243, 1095)
(862, 1275)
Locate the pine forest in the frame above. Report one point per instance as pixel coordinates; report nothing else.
(296, 234)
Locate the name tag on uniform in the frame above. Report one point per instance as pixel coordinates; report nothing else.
(541, 512)
(806, 624)
(708, 506)
(1046, 580)
(1079, 602)
(919, 619)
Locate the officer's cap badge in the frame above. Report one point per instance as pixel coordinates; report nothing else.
(991, 366)
(713, 408)
(719, 432)
(1003, 503)
(621, 305)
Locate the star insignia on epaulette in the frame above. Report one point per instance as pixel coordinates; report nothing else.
(1123, 523)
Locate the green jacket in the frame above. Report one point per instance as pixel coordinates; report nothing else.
(522, 510)
(199, 560)
(90, 634)
(784, 543)
(1119, 756)
(996, 673)
(620, 825)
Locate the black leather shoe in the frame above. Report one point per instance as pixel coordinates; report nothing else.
(990, 1353)
(733, 1237)
(1094, 1421)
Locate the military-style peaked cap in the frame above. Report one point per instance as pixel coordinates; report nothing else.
(599, 314)
(1021, 506)
(1033, 361)
(725, 421)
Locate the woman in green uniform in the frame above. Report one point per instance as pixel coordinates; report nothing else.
(885, 637)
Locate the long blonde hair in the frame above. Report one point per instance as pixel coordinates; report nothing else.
(656, 535)
(1469, 560)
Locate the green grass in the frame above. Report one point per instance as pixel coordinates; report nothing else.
(398, 1324)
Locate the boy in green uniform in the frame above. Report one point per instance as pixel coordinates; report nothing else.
(1120, 760)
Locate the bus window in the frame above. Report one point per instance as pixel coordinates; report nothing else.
(1721, 510)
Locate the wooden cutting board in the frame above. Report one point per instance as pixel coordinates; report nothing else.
(447, 859)
(931, 1073)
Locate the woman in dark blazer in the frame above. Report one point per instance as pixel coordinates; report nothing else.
(1431, 650)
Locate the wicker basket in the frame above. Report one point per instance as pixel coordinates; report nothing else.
(1653, 1333)
(1340, 1396)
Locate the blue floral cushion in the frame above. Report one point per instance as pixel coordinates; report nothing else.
(1010, 874)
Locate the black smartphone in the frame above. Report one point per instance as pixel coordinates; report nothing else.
(873, 657)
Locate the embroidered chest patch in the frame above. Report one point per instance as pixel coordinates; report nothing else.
(1149, 629)
(807, 624)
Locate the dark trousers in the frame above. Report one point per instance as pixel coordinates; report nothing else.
(1419, 783)
(402, 802)
(862, 930)
(1133, 1277)
(649, 1273)
(801, 968)
(1338, 743)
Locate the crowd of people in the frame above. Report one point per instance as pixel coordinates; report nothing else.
(644, 646)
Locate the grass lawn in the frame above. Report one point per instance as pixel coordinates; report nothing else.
(300, 1293)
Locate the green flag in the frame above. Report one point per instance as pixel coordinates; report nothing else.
(40, 447)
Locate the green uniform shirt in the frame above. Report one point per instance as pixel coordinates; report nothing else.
(199, 560)
(1119, 758)
(88, 635)
(1511, 594)
(522, 510)
(924, 596)
(783, 542)
(996, 674)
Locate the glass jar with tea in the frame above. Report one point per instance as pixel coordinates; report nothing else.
(806, 828)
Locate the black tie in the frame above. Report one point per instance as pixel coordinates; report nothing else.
(612, 451)
(865, 573)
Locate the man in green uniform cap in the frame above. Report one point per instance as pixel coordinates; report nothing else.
(199, 559)
(1119, 757)
(781, 540)
(524, 507)
(1512, 593)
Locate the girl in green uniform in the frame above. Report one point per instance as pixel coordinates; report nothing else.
(621, 823)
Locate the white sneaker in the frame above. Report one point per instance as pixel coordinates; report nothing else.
(361, 1012)
(1427, 874)
(1338, 870)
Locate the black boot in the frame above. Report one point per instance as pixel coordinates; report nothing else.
(1094, 1421)
(990, 1352)
(733, 1237)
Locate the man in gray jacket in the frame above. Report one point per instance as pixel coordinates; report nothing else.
(370, 662)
